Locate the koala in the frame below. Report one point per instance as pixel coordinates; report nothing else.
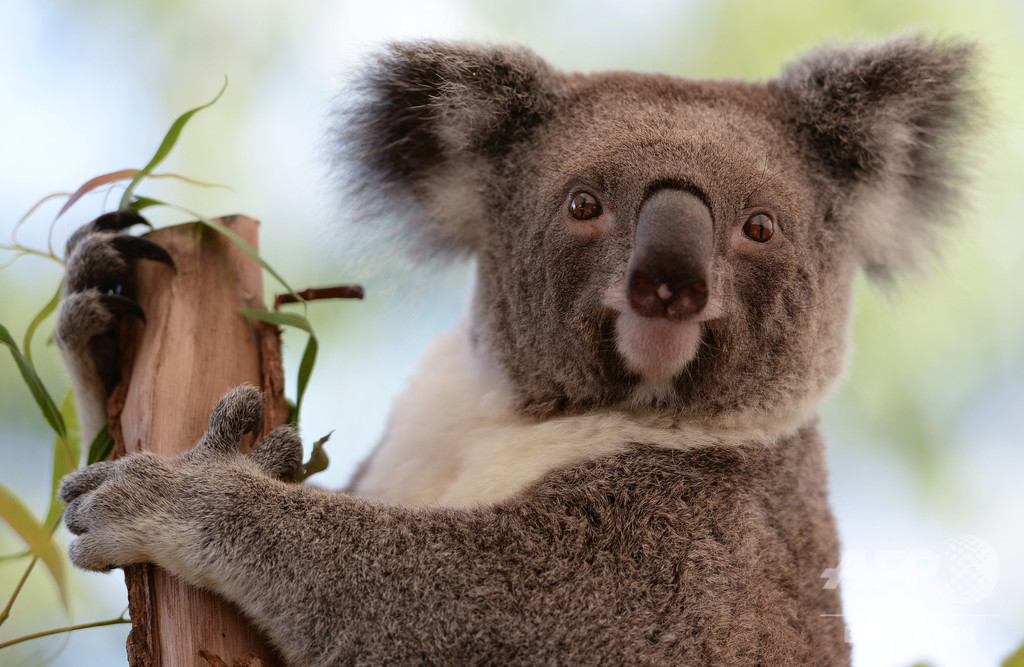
(616, 458)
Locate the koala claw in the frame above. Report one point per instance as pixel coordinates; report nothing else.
(121, 305)
(137, 247)
(97, 286)
(119, 220)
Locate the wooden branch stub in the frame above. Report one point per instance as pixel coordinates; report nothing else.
(192, 349)
(315, 293)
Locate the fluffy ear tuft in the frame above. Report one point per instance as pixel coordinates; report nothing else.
(429, 128)
(886, 123)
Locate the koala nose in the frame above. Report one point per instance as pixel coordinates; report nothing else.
(668, 273)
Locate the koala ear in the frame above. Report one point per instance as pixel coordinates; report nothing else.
(886, 124)
(429, 130)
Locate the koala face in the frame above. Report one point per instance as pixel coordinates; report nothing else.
(680, 248)
(554, 298)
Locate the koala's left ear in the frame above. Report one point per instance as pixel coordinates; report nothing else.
(885, 124)
(433, 123)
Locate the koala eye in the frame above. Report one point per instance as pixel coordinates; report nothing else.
(584, 206)
(759, 227)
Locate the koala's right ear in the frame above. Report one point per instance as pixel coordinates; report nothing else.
(429, 129)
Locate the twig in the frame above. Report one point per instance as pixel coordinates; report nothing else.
(314, 293)
(29, 251)
(70, 628)
(28, 570)
(17, 589)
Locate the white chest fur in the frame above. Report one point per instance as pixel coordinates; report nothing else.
(453, 438)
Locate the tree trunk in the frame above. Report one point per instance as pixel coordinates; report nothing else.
(193, 347)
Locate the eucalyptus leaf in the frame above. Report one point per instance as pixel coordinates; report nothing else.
(165, 147)
(91, 185)
(191, 181)
(293, 415)
(308, 355)
(305, 371)
(280, 319)
(35, 207)
(66, 455)
(38, 319)
(35, 385)
(140, 203)
(36, 535)
(100, 447)
(18, 556)
(318, 459)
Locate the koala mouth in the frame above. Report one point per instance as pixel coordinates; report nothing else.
(656, 348)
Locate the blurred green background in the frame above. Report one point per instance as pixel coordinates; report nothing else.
(926, 443)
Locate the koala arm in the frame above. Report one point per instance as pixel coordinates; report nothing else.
(621, 560)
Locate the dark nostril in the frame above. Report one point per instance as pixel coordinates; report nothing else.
(655, 298)
(689, 301)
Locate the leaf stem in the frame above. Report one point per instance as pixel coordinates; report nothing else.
(29, 251)
(5, 614)
(69, 628)
(28, 570)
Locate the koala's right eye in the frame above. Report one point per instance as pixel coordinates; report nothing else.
(584, 206)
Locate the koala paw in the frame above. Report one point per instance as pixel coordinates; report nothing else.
(146, 507)
(97, 270)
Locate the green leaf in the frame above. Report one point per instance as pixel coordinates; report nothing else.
(38, 319)
(165, 147)
(293, 414)
(305, 371)
(38, 538)
(66, 455)
(281, 319)
(245, 247)
(100, 447)
(308, 355)
(318, 459)
(35, 385)
(140, 203)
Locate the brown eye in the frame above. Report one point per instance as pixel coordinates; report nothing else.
(759, 227)
(584, 206)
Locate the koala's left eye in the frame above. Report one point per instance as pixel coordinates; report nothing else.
(584, 206)
(759, 227)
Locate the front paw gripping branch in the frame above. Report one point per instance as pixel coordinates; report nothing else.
(193, 347)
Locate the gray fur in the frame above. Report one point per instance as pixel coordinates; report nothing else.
(661, 554)
(651, 556)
